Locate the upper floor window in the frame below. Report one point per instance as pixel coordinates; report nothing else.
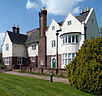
(53, 43)
(26, 53)
(92, 21)
(70, 39)
(53, 27)
(19, 60)
(33, 60)
(69, 22)
(7, 46)
(33, 47)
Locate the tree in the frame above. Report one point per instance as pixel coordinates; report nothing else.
(85, 70)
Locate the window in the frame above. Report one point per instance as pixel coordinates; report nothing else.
(67, 58)
(19, 60)
(7, 46)
(33, 47)
(26, 53)
(53, 27)
(92, 21)
(33, 60)
(73, 38)
(70, 39)
(7, 61)
(69, 22)
(77, 38)
(53, 43)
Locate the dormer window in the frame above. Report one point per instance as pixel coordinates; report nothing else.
(53, 27)
(33, 47)
(7, 46)
(69, 22)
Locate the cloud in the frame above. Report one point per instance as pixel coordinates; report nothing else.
(58, 7)
(30, 5)
(2, 36)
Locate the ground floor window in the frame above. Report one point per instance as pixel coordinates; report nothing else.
(32, 59)
(7, 61)
(19, 60)
(67, 58)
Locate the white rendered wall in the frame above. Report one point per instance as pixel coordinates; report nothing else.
(32, 53)
(75, 26)
(51, 35)
(18, 50)
(7, 53)
(92, 28)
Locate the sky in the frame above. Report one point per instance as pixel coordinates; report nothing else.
(25, 12)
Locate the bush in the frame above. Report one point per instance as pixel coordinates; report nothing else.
(85, 70)
(2, 66)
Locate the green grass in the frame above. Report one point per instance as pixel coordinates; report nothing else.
(12, 85)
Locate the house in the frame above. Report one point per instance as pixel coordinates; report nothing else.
(38, 47)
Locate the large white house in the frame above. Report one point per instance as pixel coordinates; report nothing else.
(38, 46)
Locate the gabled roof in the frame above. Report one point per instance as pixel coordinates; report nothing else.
(17, 38)
(33, 37)
(82, 16)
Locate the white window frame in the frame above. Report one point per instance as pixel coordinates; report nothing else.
(7, 61)
(32, 59)
(53, 27)
(33, 47)
(71, 38)
(19, 60)
(7, 46)
(66, 59)
(53, 43)
(69, 22)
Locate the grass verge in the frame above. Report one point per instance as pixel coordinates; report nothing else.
(12, 85)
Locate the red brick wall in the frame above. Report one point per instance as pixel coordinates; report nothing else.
(42, 51)
(49, 61)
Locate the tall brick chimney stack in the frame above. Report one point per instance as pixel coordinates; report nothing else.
(42, 61)
(43, 21)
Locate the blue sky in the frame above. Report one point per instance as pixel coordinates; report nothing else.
(25, 12)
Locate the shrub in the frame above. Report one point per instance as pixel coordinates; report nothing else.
(2, 66)
(85, 70)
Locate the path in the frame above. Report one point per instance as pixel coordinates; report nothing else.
(55, 79)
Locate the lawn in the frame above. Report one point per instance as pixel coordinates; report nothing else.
(12, 85)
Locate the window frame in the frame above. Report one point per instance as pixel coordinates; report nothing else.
(7, 46)
(53, 43)
(69, 22)
(33, 47)
(19, 60)
(7, 61)
(53, 27)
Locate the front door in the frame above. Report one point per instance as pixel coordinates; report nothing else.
(53, 62)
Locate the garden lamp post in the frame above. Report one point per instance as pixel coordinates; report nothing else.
(57, 33)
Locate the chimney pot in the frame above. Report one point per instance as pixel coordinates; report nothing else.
(87, 8)
(43, 8)
(82, 11)
(18, 29)
(14, 28)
